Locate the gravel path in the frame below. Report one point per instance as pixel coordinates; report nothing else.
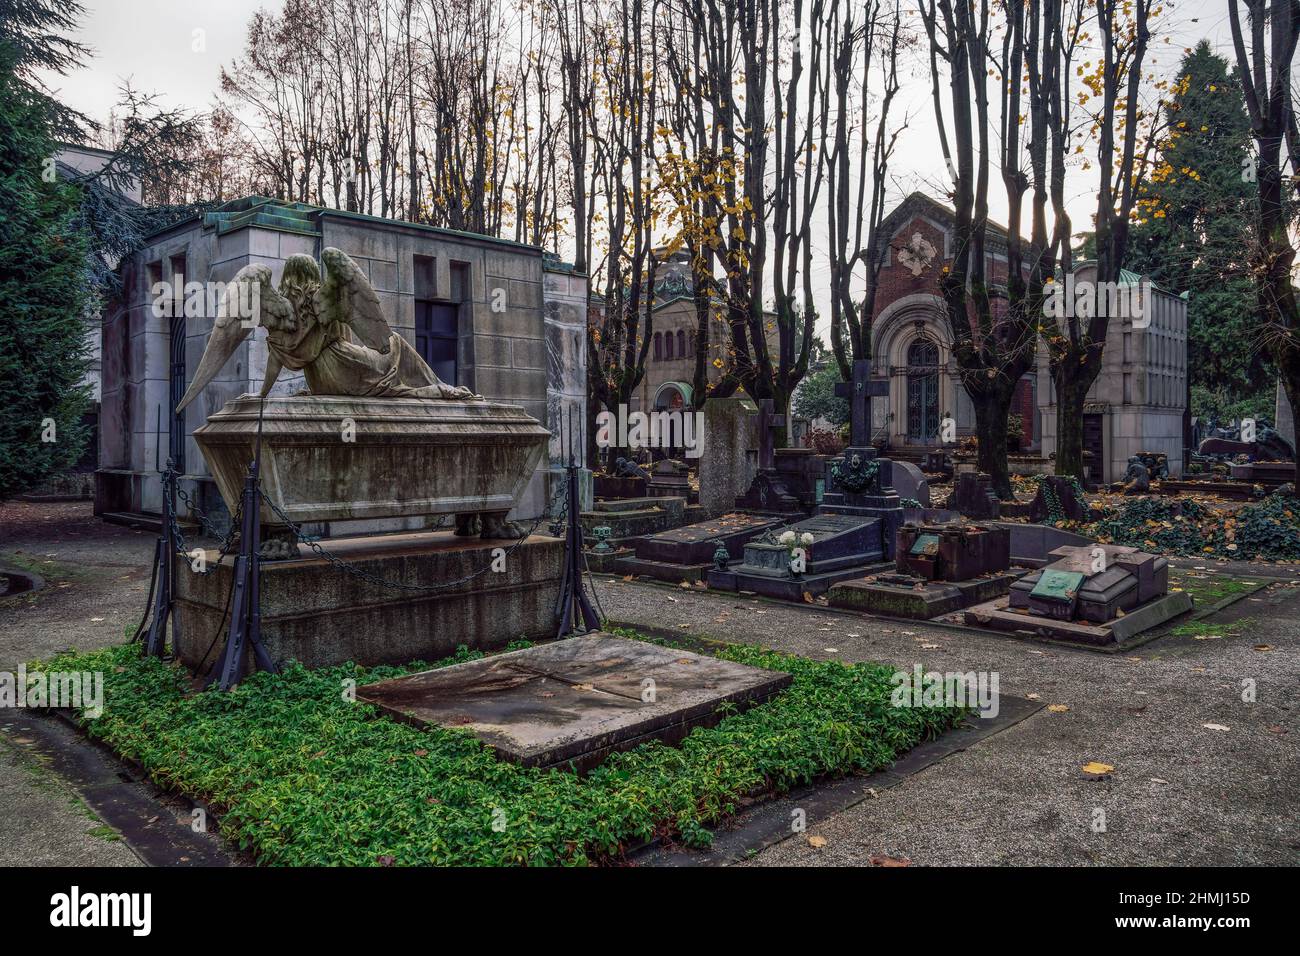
(1180, 793)
(96, 580)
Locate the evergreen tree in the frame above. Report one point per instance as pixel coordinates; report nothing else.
(1195, 204)
(43, 279)
(816, 396)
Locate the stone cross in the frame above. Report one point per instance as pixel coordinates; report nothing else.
(767, 423)
(860, 392)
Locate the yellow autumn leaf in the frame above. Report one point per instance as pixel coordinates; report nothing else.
(1058, 708)
(1094, 767)
(817, 842)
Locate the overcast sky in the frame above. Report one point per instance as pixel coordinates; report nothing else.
(176, 47)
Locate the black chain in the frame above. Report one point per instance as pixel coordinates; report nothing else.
(227, 541)
(349, 568)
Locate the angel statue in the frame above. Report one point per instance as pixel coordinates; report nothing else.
(313, 326)
(333, 331)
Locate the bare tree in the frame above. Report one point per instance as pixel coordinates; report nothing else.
(1264, 65)
(856, 142)
(993, 319)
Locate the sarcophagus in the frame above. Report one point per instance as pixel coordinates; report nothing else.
(334, 457)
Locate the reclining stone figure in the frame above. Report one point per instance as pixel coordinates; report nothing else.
(333, 330)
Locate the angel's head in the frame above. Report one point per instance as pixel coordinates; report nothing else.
(300, 281)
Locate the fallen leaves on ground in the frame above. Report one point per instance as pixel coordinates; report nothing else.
(816, 842)
(1097, 769)
(1058, 708)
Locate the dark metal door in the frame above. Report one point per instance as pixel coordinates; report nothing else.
(922, 392)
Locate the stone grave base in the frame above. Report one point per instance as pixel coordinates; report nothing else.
(788, 587)
(633, 517)
(320, 615)
(923, 600)
(996, 615)
(1227, 490)
(606, 562)
(575, 701)
(686, 553)
(669, 571)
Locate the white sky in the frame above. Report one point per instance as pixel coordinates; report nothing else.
(153, 42)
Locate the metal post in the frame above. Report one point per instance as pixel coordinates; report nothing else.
(155, 640)
(246, 602)
(573, 597)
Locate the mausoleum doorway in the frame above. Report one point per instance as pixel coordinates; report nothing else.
(922, 392)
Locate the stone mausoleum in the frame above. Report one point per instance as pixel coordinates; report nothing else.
(498, 317)
(1138, 403)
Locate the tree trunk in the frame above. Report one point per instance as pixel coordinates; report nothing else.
(1071, 391)
(991, 410)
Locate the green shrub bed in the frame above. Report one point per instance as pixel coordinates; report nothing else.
(301, 776)
(1269, 530)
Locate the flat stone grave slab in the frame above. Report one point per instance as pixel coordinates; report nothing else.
(577, 700)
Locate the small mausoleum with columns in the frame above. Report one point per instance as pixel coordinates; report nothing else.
(1139, 402)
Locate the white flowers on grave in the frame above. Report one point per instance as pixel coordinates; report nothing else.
(787, 538)
(806, 539)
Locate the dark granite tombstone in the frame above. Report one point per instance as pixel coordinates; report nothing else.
(670, 478)
(791, 489)
(911, 484)
(941, 569)
(953, 553)
(687, 553)
(858, 483)
(788, 482)
(937, 463)
(613, 486)
(842, 545)
(973, 496)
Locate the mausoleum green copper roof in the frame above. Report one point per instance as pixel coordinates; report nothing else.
(303, 219)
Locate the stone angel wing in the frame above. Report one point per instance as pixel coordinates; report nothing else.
(347, 296)
(249, 300)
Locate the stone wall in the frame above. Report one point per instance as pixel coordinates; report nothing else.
(564, 305)
(730, 458)
(1284, 417)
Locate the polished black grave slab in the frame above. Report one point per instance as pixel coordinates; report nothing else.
(687, 553)
(842, 547)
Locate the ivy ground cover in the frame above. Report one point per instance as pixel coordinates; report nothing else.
(300, 775)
